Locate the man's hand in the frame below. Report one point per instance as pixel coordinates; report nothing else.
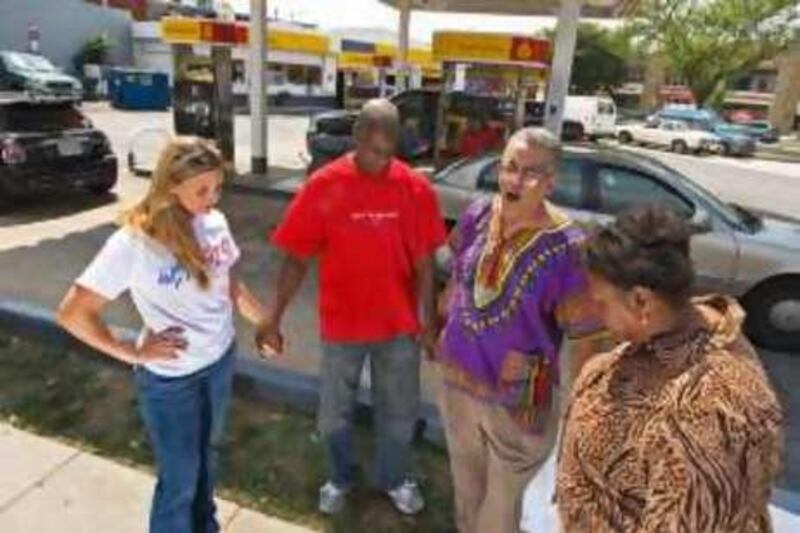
(269, 340)
(428, 340)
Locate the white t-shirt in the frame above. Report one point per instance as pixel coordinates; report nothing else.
(164, 293)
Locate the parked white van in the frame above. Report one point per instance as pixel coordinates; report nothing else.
(589, 116)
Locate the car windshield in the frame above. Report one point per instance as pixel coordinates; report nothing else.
(29, 62)
(27, 118)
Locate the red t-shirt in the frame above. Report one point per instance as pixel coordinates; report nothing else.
(368, 231)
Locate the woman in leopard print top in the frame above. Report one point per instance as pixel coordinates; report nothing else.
(678, 428)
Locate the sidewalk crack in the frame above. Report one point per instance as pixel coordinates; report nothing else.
(230, 520)
(5, 506)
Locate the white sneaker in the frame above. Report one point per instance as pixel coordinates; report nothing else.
(407, 498)
(332, 498)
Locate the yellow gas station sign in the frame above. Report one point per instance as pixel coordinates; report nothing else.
(474, 47)
(356, 60)
(182, 30)
(295, 41)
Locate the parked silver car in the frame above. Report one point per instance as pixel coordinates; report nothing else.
(755, 257)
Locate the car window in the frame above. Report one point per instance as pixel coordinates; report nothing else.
(620, 188)
(410, 105)
(464, 176)
(605, 108)
(569, 186)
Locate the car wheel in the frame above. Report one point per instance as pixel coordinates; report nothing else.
(726, 149)
(625, 137)
(679, 147)
(773, 315)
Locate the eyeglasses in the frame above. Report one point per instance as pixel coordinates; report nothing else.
(531, 173)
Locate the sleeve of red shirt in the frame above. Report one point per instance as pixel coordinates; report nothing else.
(430, 228)
(301, 232)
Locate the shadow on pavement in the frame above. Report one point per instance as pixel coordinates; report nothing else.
(51, 205)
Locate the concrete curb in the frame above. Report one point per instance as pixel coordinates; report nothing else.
(778, 155)
(293, 389)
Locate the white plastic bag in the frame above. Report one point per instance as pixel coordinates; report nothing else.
(539, 514)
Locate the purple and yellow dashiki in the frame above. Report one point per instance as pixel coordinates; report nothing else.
(510, 307)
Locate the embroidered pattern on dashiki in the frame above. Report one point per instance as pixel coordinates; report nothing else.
(512, 302)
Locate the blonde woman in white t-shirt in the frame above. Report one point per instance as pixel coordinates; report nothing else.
(174, 254)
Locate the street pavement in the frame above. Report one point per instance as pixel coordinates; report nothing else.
(772, 186)
(45, 243)
(54, 487)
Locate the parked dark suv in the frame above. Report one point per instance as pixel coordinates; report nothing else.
(329, 134)
(49, 145)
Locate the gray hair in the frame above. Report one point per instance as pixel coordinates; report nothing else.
(537, 138)
(378, 115)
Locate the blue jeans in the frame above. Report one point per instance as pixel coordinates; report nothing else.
(395, 398)
(185, 418)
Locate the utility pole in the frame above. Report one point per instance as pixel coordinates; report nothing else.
(258, 86)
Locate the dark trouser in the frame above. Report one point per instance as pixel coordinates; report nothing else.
(185, 418)
(395, 398)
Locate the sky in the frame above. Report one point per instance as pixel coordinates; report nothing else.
(333, 14)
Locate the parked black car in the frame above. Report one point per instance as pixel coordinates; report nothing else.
(49, 145)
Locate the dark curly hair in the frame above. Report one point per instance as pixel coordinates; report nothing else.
(647, 246)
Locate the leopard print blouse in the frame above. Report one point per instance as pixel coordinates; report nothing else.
(683, 434)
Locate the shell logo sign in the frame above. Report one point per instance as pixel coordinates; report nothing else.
(180, 30)
(470, 47)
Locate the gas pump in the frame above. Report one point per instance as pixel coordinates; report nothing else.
(203, 78)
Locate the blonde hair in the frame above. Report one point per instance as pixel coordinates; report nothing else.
(161, 217)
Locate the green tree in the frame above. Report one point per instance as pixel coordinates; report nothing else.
(706, 42)
(602, 58)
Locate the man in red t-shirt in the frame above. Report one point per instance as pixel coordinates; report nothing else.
(374, 224)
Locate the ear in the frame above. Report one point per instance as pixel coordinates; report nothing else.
(641, 300)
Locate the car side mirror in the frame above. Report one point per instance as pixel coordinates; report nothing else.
(701, 222)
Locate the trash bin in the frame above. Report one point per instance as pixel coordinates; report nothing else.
(138, 89)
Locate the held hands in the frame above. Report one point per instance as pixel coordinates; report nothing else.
(162, 346)
(269, 339)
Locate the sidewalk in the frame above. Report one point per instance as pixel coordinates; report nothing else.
(49, 487)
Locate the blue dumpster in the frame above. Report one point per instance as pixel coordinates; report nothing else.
(138, 89)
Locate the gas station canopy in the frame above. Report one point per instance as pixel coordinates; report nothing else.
(591, 8)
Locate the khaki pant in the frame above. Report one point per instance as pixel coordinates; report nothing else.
(492, 460)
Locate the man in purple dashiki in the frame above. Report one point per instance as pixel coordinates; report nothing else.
(518, 288)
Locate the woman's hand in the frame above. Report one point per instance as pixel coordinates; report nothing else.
(269, 339)
(162, 346)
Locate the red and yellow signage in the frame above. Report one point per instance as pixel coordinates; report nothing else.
(179, 30)
(387, 55)
(470, 47)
